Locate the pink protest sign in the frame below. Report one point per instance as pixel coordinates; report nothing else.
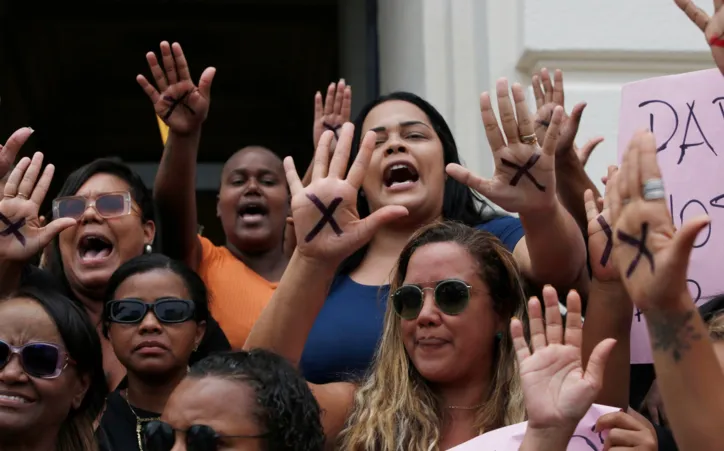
(511, 437)
(686, 114)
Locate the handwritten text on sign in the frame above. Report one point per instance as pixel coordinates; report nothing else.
(510, 438)
(686, 114)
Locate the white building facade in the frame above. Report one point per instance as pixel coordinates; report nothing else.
(449, 51)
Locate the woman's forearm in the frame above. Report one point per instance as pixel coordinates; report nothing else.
(286, 321)
(556, 251)
(571, 182)
(175, 195)
(688, 375)
(608, 315)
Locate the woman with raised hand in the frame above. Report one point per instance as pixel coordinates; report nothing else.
(652, 258)
(557, 389)
(253, 202)
(154, 317)
(52, 386)
(412, 149)
(103, 216)
(444, 371)
(571, 178)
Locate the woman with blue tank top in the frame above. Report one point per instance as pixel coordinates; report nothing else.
(413, 148)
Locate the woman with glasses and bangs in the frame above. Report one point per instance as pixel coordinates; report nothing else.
(155, 317)
(52, 386)
(102, 217)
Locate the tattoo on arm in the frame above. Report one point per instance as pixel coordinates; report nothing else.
(672, 332)
(640, 244)
(173, 103)
(327, 216)
(609, 240)
(524, 171)
(334, 128)
(13, 228)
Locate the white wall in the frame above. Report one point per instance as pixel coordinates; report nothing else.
(449, 51)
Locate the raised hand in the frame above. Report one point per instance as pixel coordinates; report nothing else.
(548, 95)
(21, 234)
(557, 390)
(178, 102)
(600, 233)
(333, 113)
(713, 27)
(524, 178)
(650, 255)
(328, 227)
(10, 150)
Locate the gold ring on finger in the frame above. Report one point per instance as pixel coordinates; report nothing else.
(529, 139)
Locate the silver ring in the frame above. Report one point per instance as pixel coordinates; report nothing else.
(654, 189)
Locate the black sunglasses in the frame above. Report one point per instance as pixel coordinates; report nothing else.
(451, 296)
(42, 360)
(167, 310)
(160, 436)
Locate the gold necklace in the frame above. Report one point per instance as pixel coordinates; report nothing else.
(139, 421)
(466, 407)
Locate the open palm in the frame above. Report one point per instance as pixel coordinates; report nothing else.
(327, 225)
(22, 235)
(333, 112)
(549, 94)
(178, 102)
(556, 389)
(524, 177)
(651, 257)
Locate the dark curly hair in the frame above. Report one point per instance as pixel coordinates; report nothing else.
(286, 409)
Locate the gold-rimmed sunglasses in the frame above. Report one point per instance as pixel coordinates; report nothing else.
(108, 205)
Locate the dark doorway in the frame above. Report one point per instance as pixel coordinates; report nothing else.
(69, 70)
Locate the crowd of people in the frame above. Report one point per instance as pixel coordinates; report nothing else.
(374, 301)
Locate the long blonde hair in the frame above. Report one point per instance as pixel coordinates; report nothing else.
(395, 409)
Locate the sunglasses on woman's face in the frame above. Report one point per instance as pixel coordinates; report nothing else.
(41, 360)
(108, 205)
(451, 297)
(166, 310)
(160, 436)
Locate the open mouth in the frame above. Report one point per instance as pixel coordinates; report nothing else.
(94, 248)
(253, 212)
(400, 173)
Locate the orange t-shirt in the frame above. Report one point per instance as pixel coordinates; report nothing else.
(237, 295)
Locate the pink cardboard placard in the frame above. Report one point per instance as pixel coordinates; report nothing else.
(686, 114)
(511, 437)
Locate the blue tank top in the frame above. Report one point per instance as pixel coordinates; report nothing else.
(342, 342)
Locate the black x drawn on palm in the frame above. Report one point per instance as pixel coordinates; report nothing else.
(524, 171)
(13, 228)
(176, 102)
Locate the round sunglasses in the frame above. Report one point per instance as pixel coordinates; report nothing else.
(166, 310)
(41, 360)
(160, 436)
(451, 297)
